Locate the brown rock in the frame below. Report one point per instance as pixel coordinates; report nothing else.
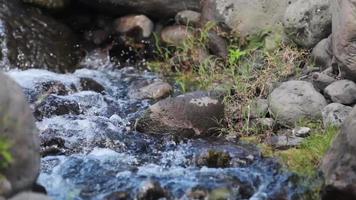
(195, 114)
(176, 35)
(139, 26)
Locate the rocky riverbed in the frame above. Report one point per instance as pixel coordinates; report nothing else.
(90, 150)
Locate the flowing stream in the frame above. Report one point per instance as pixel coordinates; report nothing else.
(90, 150)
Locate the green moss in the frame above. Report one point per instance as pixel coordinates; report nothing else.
(306, 159)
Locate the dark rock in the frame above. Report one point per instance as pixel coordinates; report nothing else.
(55, 105)
(18, 128)
(293, 101)
(151, 190)
(214, 159)
(308, 22)
(343, 37)
(217, 45)
(52, 4)
(34, 40)
(339, 163)
(88, 84)
(155, 8)
(137, 26)
(322, 54)
(118, 196)
(343, 91)
(193, 114)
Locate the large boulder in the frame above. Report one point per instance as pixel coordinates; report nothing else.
(246, 17)
(18, 129)
(339, 163)
(343, 37)
(308, 22)
(293, 101)
(196, 114)
(30, 39)
(152, 8)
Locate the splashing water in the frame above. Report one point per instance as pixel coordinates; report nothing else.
(100, 154)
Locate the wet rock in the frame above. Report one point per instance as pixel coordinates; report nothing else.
(175, 35)
(214, 159)
(151, 190)
(30, 196)
(188, 17)
(52, 4)
(138, 26)
(284, 142)
(308, 22)
(88, 84)
(343, 91)
(343, 37)
(295, 100)
(30, 39)
(339, 163)
(55, 105)
(51, 144)
(117, 196)
(157, 8)
(322, 80)
(245, 17)
(322, 54)
(156, 90)
(5, 187)
(192, 114)
(334, 114)
(301, 132)
(18, 128)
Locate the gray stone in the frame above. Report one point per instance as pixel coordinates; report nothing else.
(30, 39)
(5, 187)
(153, 8)
(176, 35)
(263, 122)
(321, 80)
(188, 17)
(18, 128)
(246, 17)
(343, 37)
(322, 54)
(258, 108)
(339, 163)
(196, 114)
(301, 132)
(156, 90)
(334, 114)
(308, 22)
(283, 142)
(293, 101)
(133, 23)
(342, 91)
(30, 196)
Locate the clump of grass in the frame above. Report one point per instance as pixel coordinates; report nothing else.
(5, 155)
(306, 159)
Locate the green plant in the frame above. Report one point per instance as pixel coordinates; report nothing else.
(5, 155)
